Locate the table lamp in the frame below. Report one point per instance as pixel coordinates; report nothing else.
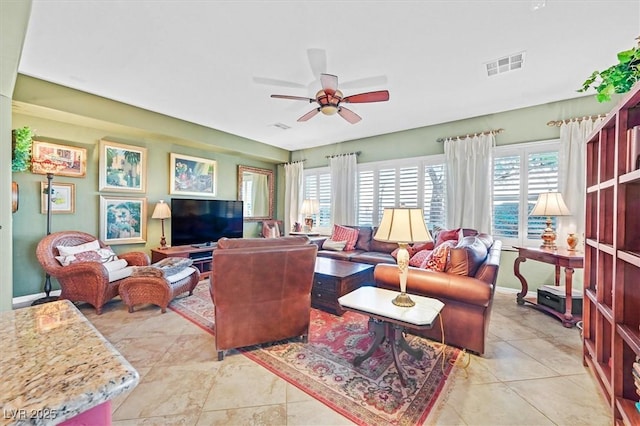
(162, 212)
(403, 226)
(549, 204)
(309, 208)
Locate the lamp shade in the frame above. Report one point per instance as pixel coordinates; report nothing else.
(550, 204)
(310, 207)
(161, 211)
(403, 225)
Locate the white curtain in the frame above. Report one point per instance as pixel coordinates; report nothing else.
(344, 172)
(469, 163)
(293, 193)
(573, 137)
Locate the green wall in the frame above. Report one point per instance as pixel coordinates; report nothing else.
(64, 125)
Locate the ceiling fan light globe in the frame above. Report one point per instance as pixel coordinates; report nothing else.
(329, 109)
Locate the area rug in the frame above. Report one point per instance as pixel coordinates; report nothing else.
(370, 394)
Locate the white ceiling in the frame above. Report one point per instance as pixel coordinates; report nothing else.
(207, 61)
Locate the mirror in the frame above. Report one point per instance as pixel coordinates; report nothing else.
(255, 189)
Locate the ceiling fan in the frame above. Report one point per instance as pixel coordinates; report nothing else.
(330, 100)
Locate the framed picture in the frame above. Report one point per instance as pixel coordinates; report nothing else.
(123, 220)
(192, 175)
(123, 168)
(63, 198)
(58, 159)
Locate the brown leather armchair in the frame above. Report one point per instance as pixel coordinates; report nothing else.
(467, 299)
(261, 290)
(85, 281)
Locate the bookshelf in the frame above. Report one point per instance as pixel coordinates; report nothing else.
(611, 310)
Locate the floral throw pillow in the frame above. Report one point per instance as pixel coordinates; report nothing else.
(447, 235)
(437, 261)
(102, 255)
(343, 233)
(417, 259)
(412, 251)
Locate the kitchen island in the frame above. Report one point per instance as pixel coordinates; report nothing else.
(56, 368)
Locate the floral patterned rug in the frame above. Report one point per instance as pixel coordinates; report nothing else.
(369, 394)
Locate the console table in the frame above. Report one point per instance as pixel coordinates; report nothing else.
(202, 256)
(560, 258)
(388, 321)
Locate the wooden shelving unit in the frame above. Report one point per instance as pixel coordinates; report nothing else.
(611, 311)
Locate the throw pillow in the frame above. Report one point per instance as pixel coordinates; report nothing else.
(173, 265)
(417, 259)
(102, 255)
(147, 271)
(70, 250)
(423, 246)
(466, 257)
(343, 233)
(437, 261)
(270, 229)
(115, 265)
(447, 235)
(412, 251)
(333, 245)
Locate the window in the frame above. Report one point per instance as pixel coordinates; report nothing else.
(520, 174)
(317, 185)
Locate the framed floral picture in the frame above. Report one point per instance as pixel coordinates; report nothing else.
(123, 168)
(63, 198)
(123, 220)
(60, 160)
(192, 175)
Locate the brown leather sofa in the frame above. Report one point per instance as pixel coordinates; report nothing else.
(367, 249)
(467, 299)
(261, 290)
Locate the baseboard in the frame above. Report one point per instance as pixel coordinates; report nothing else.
(509, 290)
(24, 301)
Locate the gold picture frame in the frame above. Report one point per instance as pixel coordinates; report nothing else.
(123, 168)
(192, 175)
(61, 160)
(63, 198)
(123, 220)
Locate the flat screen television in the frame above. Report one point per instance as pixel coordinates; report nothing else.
(203, 222)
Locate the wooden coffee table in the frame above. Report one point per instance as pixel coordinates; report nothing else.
(388, 321)
(334, 278)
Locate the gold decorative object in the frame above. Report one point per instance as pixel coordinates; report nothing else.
(572, 241)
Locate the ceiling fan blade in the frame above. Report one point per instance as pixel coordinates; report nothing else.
(317, 61)
(294, 98)
(378, 96)
(275, 82)
(329, 83)
(349, 115)
(309, 114)
(360, 83)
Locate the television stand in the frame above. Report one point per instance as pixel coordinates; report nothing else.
(205, 245)
(202, 256)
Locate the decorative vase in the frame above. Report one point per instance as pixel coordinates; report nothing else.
(572, 241)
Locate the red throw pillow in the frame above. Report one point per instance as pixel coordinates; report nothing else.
(423, 246)
(410, 249)
(343, 233)
(447, 235)
(417, 259)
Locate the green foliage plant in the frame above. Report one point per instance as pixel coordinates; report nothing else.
(618, 78)
(21, 142)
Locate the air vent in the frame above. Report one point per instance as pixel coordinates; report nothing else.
(506, 64)
(281, 126)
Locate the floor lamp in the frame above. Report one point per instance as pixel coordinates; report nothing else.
(48, 166)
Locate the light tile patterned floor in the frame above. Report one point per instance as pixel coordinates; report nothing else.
(532, 374)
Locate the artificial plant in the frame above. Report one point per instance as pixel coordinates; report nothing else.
(21, 143)
(618, 78)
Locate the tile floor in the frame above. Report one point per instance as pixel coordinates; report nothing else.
(532, 374)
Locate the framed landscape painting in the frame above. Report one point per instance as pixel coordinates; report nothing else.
(123, 168)
(192, 175)
(62, 198)
(60, 160)
(123, 220)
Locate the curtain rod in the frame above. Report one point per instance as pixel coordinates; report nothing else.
(468, 135)
(348, 153)
(558, 123)
(292, 162)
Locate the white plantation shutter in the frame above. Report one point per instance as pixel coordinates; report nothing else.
(365, 197)
(386, 191)
(317, 186)
(506, 196)
(520, 174)
(408, 187)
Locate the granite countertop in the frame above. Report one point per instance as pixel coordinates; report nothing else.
(54, 365)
